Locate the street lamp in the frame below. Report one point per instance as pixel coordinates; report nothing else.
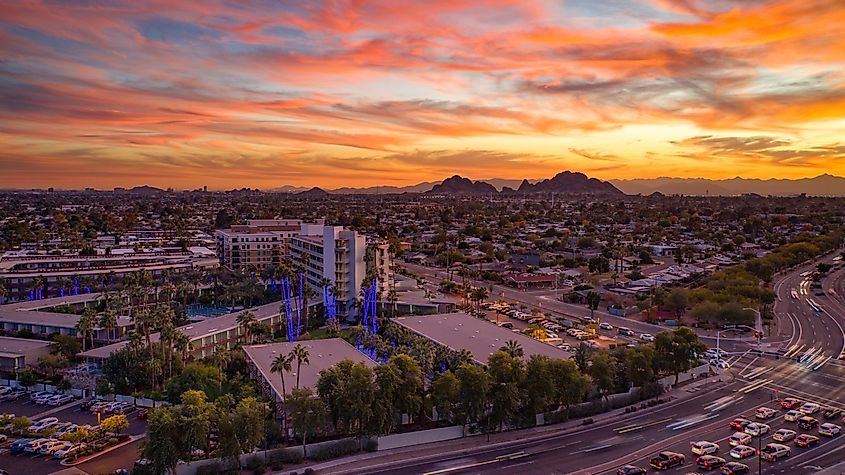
(758, 327)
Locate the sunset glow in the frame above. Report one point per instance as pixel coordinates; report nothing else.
(356, 93)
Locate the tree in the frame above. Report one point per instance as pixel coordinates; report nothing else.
(570, 384)
(27, 378)
(513, 348)
(677, 301)
(676, 352)
(598, 265)
(66, 345)
(246, 320)
(85, 325)
(507, 374)
(115, 423)
(640, 362)
(282, 365)
(475, 390)
(538, 384)
(308, 414)
(582, 357)
(593, 301)
(300, 354)
(603, 370)
(445, 390)
(162, 446)
(108, 321)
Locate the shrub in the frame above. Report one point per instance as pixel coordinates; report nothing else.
(285, 456)
(277, 465)
(310, 471)
(332, 450)
(370, 445)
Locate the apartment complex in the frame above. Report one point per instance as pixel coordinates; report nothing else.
(34, 276)
(258, 243)
(333, 253)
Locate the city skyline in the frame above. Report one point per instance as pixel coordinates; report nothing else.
(386, 93)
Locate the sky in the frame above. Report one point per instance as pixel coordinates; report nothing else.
(230, 94)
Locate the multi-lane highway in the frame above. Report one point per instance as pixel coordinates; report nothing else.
(811, 337)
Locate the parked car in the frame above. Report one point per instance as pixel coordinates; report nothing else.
(35, 445)
(773, 452)
(646, 337)
(666, 460)
(42, 424)
(806, 440)
(51, 447)
(809, 408)
(60, 400)
(784, 435)
(829, 430)
(605, 326)
(790, 403)
(67, 452)
(832, 413)
(19, 445)
(807, 423)
(792, 416)
(704, 447)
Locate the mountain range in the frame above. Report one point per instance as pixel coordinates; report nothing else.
(822, 185)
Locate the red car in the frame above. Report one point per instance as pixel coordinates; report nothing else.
(790, 403)
(142, 414)
(739, 423)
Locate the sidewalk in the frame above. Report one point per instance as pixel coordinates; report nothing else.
(458, 447)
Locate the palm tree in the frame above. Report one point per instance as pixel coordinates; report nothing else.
(85, 325)
(479, 294)
(513, 348)
(281, 364)
(108, 321)
(181, 343)
(300, 354)
(392, 298)
(246, 320)
(221, 359)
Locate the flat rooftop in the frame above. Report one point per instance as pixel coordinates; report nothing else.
(460, 331)
(323, 355)
(30, 312)
(17, 346)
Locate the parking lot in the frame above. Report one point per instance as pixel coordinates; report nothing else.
(35, 464)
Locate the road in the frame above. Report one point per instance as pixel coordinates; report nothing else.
(812, 338)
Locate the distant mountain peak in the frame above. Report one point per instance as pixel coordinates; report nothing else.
(461, 185)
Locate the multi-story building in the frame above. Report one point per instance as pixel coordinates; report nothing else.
(33, 276)
(259, 243)
(343, 258)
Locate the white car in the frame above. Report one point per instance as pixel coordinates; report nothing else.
(646, 337)
(721, 364)
(784, 435)
(42, 424)
(739, 439)
(792, 416)
(606, 326)
(704, 447)
(809, 408)
(765, 413)
(35, 445)
(757, 429)
(742, 452)
(62, 453)
(60, 400)
(51, 447)
(830, 430)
